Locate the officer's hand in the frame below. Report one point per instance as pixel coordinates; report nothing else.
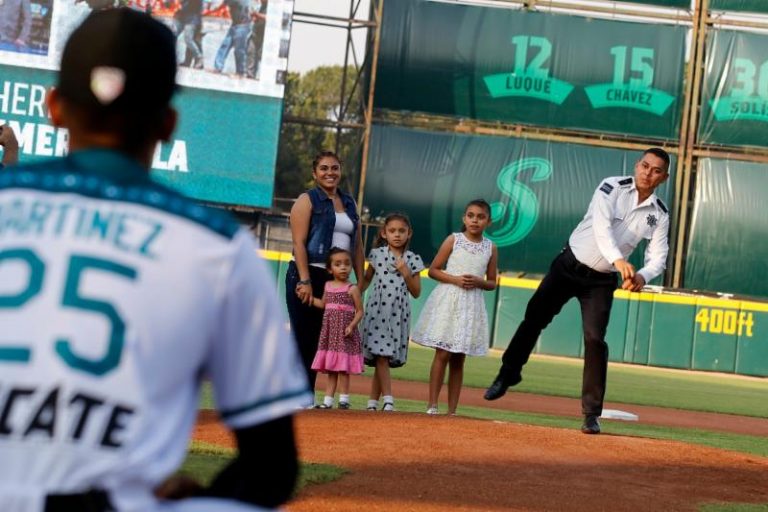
(634, 284)
(625, 268)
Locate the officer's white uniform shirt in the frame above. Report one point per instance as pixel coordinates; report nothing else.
(615, 224)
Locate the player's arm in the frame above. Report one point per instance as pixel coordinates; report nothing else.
(257, 382)
(436, 271)
(265, 470)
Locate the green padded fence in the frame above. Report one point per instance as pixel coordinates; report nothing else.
(655, 328)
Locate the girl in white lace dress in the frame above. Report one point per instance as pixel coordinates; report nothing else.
(454, 321)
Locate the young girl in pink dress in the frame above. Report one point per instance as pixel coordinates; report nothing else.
(339, 350)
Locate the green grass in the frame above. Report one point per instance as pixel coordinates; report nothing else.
(734, 507)
(641, 385)
(754, 445)
(628, 384)
(204, 461)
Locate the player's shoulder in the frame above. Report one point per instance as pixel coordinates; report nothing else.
(60, 175)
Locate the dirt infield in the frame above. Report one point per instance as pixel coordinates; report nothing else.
(400, 462)
(559, 406)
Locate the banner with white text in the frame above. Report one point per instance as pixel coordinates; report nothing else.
(734, 100)
(545, 69)
(232, 73)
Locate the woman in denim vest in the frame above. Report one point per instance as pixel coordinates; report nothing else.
(321, 218)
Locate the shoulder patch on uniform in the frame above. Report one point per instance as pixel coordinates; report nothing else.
(662, 205)
(625, 181)
(606, 187)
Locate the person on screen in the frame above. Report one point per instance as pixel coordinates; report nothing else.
(15, 23)
(236, 37)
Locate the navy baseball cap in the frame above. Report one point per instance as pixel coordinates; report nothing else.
(119, 60)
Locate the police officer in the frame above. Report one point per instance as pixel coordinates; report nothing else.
(623, 211)
(120, 295)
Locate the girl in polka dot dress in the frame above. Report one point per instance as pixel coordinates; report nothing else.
(339, 353)
(394, 271)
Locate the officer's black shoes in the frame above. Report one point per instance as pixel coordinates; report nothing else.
(590, 425)
(503, 381)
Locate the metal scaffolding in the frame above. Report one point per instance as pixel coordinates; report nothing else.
(687, 149)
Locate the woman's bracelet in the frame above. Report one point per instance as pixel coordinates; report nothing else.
(305, 281)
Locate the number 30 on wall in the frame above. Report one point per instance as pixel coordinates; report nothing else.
(71, 298)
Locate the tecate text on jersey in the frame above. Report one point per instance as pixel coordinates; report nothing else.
(39, 414)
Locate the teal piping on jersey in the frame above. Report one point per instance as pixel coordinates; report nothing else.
(109, 175)
(229, 413)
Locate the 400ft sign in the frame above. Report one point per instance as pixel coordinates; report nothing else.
(725, 321)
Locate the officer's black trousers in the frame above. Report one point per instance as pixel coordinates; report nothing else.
(569, 278)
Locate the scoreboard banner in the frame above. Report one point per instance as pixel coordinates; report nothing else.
(231, 73)
(535, 68)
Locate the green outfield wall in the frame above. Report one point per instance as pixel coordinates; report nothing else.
(661, 327)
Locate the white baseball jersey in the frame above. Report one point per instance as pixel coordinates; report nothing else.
(117, 298)
(615, 224)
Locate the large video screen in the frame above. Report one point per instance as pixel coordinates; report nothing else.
(232, 58)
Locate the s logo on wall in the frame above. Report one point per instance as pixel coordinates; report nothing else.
(515, 216)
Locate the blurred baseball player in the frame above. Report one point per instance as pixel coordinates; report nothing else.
(623, 211)
(118, 295)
